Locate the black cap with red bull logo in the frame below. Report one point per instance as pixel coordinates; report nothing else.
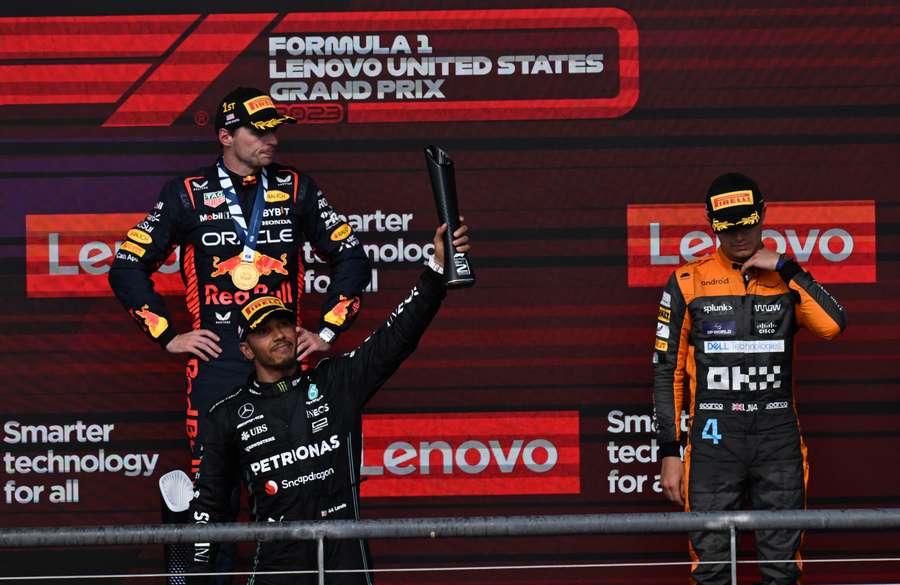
(733, 201)
(257, 311)
(250, 107)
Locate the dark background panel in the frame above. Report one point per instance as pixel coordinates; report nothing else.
(802, 98)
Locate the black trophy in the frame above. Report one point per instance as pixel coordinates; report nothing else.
(457, 270)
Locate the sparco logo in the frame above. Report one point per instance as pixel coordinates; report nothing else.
(301, 453)
(722, 308)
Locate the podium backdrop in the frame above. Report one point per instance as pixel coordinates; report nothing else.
(584, 138)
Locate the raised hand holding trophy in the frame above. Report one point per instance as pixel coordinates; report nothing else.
(457, 271)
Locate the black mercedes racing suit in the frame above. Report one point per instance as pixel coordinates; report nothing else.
(192, 212)
(294, 443)
(727, 343)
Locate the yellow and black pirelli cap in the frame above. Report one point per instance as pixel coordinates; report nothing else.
(733, 201)
(250, 107)
(257, 311)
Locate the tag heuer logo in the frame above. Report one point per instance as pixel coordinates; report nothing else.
(214, 198)
(199, 185)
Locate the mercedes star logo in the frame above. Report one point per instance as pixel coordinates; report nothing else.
(245, 411)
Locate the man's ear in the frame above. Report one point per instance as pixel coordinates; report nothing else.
(225, 137)
(247, 351)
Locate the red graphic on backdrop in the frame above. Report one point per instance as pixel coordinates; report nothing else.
(835, 240)
(85, 38)
(173, 67)
(468, 454)
(195, 63)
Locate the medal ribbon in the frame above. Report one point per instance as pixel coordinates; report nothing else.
(248, 236)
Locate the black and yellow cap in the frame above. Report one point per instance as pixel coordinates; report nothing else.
(733, 201)
(257, 311)
(250, 107)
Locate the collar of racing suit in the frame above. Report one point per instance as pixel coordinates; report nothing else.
(286, 384)
(242, 183)
(726, 262)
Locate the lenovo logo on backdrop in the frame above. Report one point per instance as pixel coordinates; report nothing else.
(70, 255)
(835, 240)
(469, 454)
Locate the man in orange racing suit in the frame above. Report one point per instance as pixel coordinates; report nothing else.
(725, 338)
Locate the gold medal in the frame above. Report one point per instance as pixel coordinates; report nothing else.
(245, 276)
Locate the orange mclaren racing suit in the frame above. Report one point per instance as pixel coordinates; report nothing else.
(725, 344)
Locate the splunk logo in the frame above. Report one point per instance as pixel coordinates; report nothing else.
(456, 454)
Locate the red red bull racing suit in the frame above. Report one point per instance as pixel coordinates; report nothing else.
(725, 343)
(192, 212)
(293, 444)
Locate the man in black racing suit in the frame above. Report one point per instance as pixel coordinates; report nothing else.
(290, 436)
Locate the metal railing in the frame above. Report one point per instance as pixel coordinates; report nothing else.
(479, 526)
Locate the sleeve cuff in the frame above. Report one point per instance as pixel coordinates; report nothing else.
(670, 449)
(789, 269)
(432, 264)
(166, 336)
(432, 283)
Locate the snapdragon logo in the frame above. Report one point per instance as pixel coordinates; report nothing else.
(307, 478)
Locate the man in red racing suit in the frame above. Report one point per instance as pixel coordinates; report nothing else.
(725, 336)
(195, 212)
